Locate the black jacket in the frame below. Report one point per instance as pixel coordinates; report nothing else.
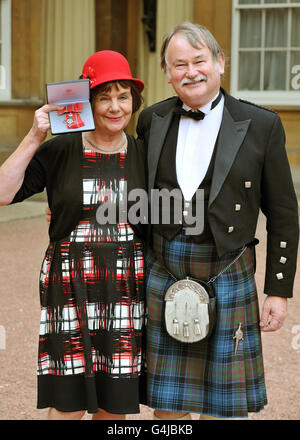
(251, 170)
(56, 166)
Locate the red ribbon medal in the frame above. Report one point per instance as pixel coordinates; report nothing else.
(73, 119)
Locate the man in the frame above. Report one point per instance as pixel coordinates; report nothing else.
(236, 155)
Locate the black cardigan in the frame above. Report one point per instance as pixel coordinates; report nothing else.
(56, 166)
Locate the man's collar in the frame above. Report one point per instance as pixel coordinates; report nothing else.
(205, 109)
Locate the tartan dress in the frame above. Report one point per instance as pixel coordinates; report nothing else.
(92, 305)
(205, 377)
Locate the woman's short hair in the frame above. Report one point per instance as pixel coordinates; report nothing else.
(196, 35)
(137, 98)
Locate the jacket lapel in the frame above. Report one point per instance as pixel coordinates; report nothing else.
(231, 136)
(158, 132)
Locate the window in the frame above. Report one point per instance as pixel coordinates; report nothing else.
(5, 49)
(266, 51)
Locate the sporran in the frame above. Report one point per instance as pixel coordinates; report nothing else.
(190, 310)
(190, 307)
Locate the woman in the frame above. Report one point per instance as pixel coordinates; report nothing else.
(91, 282)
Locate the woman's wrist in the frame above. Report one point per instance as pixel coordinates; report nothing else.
(35, 136)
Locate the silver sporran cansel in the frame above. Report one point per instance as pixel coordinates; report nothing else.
(190, 310)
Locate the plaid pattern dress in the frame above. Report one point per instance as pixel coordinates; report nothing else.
(206, 377)
(92, 305)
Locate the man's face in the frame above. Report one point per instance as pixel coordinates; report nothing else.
(193, 73)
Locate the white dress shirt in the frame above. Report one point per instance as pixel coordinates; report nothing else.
(195, 146)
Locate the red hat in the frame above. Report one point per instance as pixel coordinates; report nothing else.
(106, 66)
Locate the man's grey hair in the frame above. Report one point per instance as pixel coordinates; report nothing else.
(197, 36)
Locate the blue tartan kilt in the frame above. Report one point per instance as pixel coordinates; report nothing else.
(205, 377)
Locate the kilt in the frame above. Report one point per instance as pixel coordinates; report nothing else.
(205, 377)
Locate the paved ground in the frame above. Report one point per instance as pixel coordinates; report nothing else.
(23, 242)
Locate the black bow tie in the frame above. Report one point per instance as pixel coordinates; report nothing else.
(198, 115)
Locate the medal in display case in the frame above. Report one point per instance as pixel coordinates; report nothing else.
(76, 114)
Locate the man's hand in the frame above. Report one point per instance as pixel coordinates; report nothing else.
(273, 313)
(48, 215)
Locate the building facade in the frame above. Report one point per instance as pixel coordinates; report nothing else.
(48, 40)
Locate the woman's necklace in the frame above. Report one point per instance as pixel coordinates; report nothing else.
(106, 150)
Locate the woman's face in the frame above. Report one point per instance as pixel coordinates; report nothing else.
(112, 109)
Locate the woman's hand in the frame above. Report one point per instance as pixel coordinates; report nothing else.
(48, 215)
(13, 169)
(41, 122)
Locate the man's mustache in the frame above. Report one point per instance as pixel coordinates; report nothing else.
(194, 80)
